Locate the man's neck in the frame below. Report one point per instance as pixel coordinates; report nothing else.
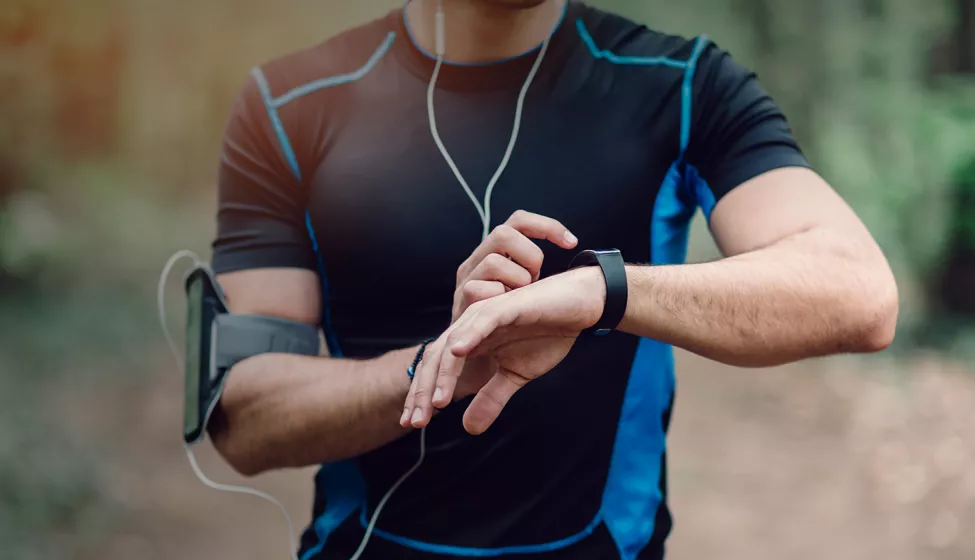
(483, 32)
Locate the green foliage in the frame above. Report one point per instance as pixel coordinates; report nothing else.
(899, 174)
(82, 253)
(83, 235)
(47, 484)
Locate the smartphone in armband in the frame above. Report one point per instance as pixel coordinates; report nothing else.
(203, 380)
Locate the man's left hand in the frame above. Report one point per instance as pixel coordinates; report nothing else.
(527, 331)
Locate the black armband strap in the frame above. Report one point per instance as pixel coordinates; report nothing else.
(614, 271)
(237, 337)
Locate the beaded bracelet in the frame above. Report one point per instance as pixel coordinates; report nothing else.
(411, 371)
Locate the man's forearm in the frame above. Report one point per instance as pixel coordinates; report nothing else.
(282, 410)
(805, 296)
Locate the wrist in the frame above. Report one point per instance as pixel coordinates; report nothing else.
(590, 285)
(612, 270)
(395, 365)
(640, 280)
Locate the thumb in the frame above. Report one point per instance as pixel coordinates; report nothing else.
(491, 400)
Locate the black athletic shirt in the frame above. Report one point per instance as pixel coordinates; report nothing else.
(329, 165)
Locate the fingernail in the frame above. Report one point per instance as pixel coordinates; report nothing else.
(438, 394)
(569, 238)
(405, 416)
(417, 415)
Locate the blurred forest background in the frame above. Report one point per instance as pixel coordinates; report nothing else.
(111, 113)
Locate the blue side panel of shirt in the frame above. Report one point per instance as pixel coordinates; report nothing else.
(632, 494)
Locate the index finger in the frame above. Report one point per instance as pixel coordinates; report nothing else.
(537, 226)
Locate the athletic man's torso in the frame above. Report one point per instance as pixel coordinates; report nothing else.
(329, 165)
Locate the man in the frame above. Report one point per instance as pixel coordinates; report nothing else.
(338, 166)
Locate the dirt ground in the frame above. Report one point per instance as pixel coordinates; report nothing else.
(840, 459)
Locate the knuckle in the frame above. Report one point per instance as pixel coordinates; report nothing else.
(498, 400)
(494, 261)
(444, 373)
(536, 258)
(504, 233)
(470, 292)
(454, 337)
(463, 270)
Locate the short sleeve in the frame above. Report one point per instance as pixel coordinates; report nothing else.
(737, 130)
(262, 204)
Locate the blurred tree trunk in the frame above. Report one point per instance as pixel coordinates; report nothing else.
(760, 14)
(954, 52)
(965, 36)
(955, 290)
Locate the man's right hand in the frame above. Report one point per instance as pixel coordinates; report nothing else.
(507, 259)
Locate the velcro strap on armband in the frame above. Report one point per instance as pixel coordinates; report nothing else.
(238, 337)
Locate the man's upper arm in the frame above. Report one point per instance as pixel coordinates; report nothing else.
(780, 203)
(289, 293)
(263, 254)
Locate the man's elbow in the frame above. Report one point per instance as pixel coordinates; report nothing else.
(875, 314)
(238, 454)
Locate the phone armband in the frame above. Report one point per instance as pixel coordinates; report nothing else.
(216, 340)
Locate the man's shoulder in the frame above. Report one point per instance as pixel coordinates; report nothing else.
(339, 55)
(629, 41)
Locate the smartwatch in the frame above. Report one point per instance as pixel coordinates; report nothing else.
(611, 262)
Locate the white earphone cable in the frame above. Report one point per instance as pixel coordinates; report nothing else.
(161, 297)
(161, 304)
(483, 212)
(515, 129)
(443, 151)
(389, 494)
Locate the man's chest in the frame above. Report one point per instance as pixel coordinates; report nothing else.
(384, 198)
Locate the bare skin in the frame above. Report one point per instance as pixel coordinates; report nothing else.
(484, 30)
(803, 278)
(280, 411)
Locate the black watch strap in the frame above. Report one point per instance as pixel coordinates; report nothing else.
(614, 271)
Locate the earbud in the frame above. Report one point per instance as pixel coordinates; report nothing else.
(440, 39)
